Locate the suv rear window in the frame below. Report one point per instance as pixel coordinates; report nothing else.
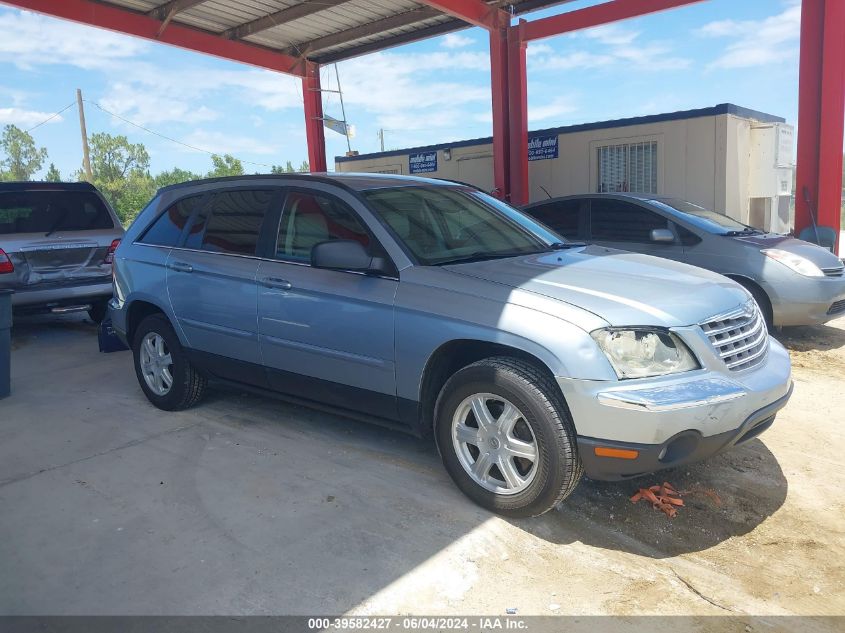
(51, 211)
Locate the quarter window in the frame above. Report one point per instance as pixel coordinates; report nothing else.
(617, 221)
(167, 229)
(231, 222)
(309, 219)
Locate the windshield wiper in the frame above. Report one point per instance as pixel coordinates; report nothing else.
(746, 231)
(560, 246)
(478, 256)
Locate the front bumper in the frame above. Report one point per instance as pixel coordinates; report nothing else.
(798, 300)
(690, 415)
(683, 448)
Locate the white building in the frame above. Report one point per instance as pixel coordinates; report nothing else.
(727, 158)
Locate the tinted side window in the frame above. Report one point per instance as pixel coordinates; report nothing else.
(308, 219)
(231, 222)
(167, 229)
(688, 238)
(616, 221)
(563, 216)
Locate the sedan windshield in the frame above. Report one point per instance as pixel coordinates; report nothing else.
(710, 221)
(449, 225)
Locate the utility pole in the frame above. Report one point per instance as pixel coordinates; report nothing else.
(381, 137)
(86, 157)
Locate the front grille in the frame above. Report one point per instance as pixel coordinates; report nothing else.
(739, 337)
(834, 272)
(837, 307)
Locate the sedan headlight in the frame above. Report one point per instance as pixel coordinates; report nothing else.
(799, 264)
(644, 352)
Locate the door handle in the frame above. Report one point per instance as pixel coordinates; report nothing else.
(182, 267)
(275, 282)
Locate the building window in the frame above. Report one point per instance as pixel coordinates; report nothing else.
(628, 167)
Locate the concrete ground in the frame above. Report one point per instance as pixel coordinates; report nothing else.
(246, 505)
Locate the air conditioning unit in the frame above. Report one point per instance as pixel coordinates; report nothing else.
(770, 175)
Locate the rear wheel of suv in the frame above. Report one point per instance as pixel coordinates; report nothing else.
(164, 372)
(506, 438)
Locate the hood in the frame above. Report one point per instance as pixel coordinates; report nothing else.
(620, 287)
(821, 257)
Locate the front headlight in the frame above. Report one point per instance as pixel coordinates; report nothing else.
(644, 352)
(800, 265)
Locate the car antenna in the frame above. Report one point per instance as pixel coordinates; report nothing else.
(546, 191)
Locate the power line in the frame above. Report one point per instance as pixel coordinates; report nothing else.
(167, 138)
(52, 116)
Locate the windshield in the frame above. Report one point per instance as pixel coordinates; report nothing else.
(51, 211)
(710, 221)
(442, 225)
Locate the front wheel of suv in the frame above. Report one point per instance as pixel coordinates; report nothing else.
(164, 372)
(506, 437)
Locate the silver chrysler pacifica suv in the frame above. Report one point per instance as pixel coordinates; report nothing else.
(433, 307)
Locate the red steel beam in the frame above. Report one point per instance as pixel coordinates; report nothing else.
(132, 23)
(474, 12)
(518, 114)
(501, 119)
(597, 15)
(821, 114)
(314, 131)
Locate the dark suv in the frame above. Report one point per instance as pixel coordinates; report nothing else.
(57, 241)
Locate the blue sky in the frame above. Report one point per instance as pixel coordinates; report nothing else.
(433, 91)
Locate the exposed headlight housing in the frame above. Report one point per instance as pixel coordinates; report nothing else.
(643, 352)
(799, 264)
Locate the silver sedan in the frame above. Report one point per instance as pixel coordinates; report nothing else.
(794, 282)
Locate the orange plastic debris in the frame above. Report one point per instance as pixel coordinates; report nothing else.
(664, 498)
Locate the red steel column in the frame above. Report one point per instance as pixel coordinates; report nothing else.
(501, 122)
(821, 113)
(314, 131)
(518, 113)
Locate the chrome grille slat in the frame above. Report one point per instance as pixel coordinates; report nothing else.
(834, 272)
(739, 337)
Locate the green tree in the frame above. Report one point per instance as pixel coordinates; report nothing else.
(225, 165)
(174, 177)
(287, 169)
(304, 167)
(53, 174)
(121, 173)
(21, 157)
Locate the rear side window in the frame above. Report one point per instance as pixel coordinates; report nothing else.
(618, 221)
(309, 219)
(231, 222)
(563, 216)
(167, 229)
(52, 211)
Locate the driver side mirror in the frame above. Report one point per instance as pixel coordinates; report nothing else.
(664, 236)
(346, 255)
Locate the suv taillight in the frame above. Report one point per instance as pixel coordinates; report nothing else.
(6, 265)
(110, 253)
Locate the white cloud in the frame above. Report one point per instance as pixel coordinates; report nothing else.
(30, 40)
(455, 40)
(612, 34)
(554, 109)
(756, 42)
(223, 143)
(25, 118)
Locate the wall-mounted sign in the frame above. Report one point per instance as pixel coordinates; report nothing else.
(422, 163)
(542, 147)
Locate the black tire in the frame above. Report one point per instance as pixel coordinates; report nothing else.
(98, 311)
(188, 385)
(558, 469)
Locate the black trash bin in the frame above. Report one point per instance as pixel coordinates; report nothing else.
(5, 342)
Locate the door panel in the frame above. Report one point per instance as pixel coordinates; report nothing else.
(333, 327)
